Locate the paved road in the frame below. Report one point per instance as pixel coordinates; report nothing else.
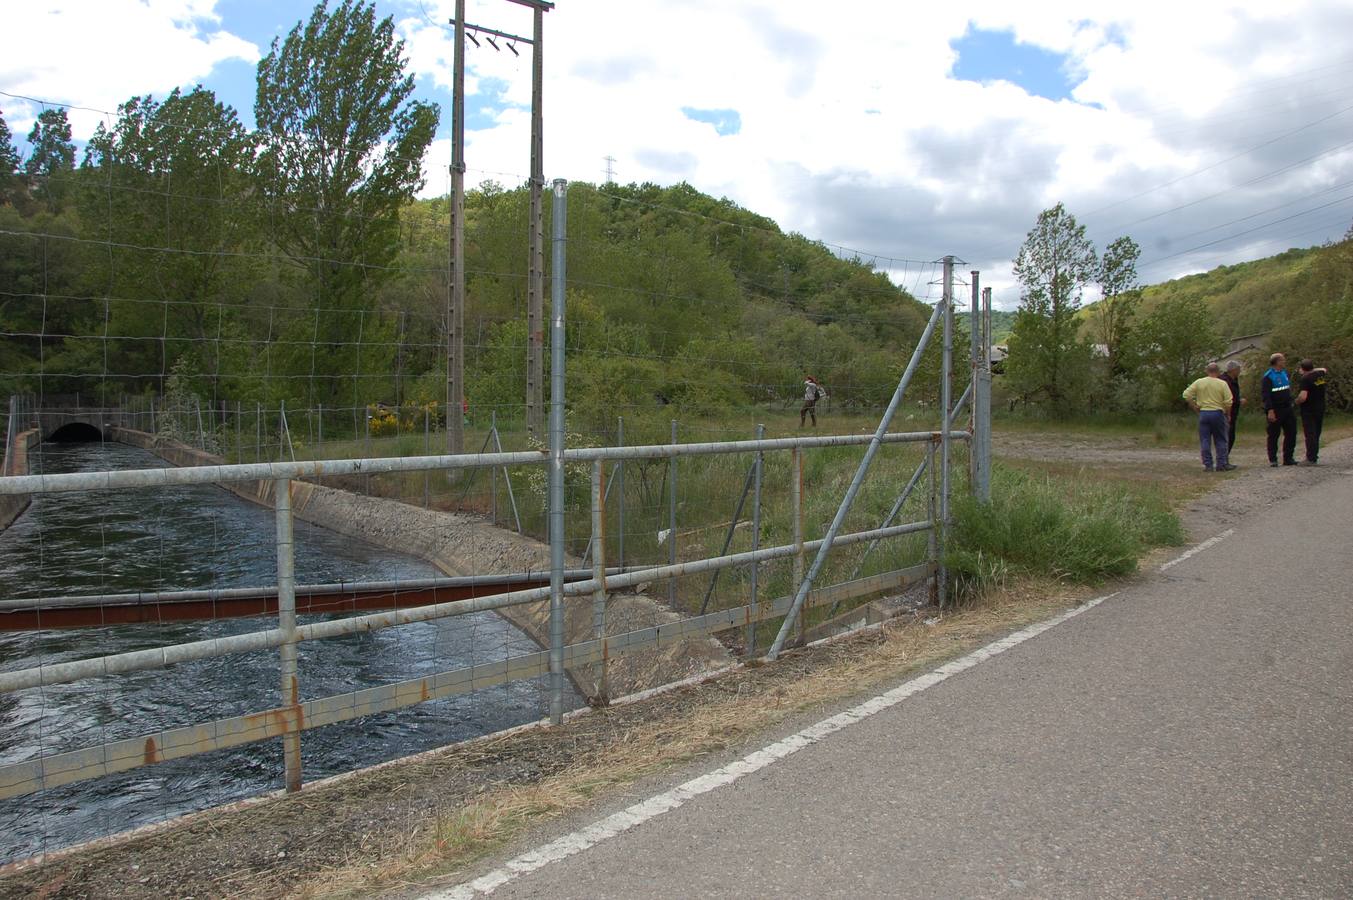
(1192, 736)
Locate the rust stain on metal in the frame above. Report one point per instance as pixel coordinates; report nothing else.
(423, 693)
(151, 755)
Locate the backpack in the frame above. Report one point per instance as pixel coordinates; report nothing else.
(819, 393)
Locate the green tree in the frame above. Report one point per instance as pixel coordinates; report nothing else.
(162, 187)
(341, 153)
(1053, 267)
(9, 154)
(1117, 278)
(1177, 339)
(53, 156)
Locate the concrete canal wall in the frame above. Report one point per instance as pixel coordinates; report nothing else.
(16, 463)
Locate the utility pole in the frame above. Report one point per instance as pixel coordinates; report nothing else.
(455, 301)
(535, 283)
(610, 169)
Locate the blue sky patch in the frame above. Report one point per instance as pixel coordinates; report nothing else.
(985, 56)
(725, 121)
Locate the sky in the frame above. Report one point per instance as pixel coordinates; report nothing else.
(1211, 132)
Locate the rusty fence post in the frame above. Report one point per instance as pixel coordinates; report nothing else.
(286, 623)
(796, 511)
(756, 542)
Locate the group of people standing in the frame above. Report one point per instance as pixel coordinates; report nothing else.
(1217, 399)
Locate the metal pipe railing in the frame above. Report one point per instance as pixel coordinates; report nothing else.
(271, 471)
(161, 657)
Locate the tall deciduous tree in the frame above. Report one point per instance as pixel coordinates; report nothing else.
(53, 155)
(342, 146)
(9, 156)
(1117, 278)
(1053, 267)
(164, 186)
(1178, 338)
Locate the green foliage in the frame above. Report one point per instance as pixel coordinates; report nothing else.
(53, 152)
(1047, 358)
(1176, 341)
(1077, 530)
(9, 154)
(341, 148)
(1115, 312)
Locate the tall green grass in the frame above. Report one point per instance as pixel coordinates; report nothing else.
(1071, 529)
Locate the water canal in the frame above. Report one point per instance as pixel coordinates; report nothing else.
(205, 537)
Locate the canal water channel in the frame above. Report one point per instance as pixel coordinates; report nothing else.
(204, 537)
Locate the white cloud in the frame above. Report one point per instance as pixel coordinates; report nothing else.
(97, 53)
(1185, 116)
(855, 132)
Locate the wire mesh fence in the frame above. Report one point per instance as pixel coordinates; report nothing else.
(156, 296)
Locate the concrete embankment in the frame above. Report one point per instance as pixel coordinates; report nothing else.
(464, 545)
(13, 505)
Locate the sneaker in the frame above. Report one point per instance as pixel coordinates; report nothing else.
(1227, 468)
(1207, 468)
(1289, 462)
(1273, 463)
(1308, 462)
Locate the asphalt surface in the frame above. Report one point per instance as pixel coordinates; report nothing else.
(1192, 736)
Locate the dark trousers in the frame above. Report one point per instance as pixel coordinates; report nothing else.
(1231, 434)
(807, 410)
(1212, 433)
(1311, 423)
(1287, 424)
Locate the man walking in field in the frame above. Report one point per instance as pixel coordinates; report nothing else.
(812, 392)
(1311, 402)
(1275, 389)
(1232, 379)
(1210, 397)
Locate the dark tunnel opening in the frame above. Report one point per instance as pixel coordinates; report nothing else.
(76, 433)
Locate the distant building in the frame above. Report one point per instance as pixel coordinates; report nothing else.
(1246, 344)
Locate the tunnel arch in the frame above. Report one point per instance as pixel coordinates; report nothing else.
(75, 433)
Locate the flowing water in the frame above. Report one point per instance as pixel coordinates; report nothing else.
(204, 537)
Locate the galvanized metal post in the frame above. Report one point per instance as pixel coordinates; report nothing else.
(981, 449)
(258, 431)
(619, 474)
(672, 520)
(239, 435)
(427, 450)
(599, 576)
(796, 511)
(286, 623)
(557, 283)
(756, 540)
(975, 365)
(493, 470)
(824, 549)
(932, 508)
(946, 390)
(319, 416)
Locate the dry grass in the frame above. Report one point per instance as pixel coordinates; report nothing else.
(735, 710)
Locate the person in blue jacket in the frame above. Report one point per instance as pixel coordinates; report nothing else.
(1275, 389)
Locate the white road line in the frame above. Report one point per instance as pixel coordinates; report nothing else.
(639, 813)
(1210, 542)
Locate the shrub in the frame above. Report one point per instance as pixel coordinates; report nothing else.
(1063, 528)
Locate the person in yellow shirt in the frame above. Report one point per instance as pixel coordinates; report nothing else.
(1210, 397)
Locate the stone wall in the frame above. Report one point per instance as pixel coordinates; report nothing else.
(465, 545)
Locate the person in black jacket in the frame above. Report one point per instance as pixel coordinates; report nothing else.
(1275, 389)
(1232, 379)
(1311, 402)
